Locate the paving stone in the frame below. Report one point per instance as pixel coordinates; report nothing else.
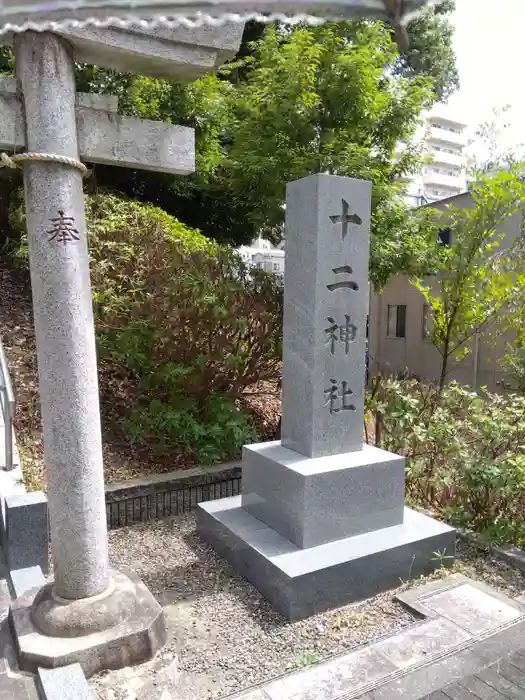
(253, 695)
(438, 695)
(332, 678)
(501, 685)
(472, 609)
(511, 673)
(457, 692)
(429, 678)
(479, 688)
(499, 645)
(518, 659)
(417, 644)
(64, 683)
(25, 579)
(17, 688)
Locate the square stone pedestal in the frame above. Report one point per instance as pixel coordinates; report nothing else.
(315, 534)
(312, 501)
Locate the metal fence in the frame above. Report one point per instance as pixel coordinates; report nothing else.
(168, 503)
(7, 406)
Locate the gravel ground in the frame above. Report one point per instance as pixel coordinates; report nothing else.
(224, 636)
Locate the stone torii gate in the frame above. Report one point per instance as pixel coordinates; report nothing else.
(90, 614)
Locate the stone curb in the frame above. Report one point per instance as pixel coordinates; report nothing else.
(23, 580)
(513, 556)
(182, 478)
(431, 669)
(64, 683)
(26, 541)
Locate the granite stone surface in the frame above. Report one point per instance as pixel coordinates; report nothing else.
(62, 305)
(105, 137)
(161, 52)
(27, 579)
(315, 501)
(27, 532)
(321, 520)
(108, 103)
(419, 643)
(80, 618)
(332, 678)
(325, 309)
(134, 640)
(472, 609)
(302, 582)
(66, 683)
(112, 139)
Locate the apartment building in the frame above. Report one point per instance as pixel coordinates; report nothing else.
(444, 137)
(264, 256)
(399, 324)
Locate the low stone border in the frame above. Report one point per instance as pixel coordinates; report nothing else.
(513, 556)
(64, 683)
(159, 496)
(182, 478)
(415, 661)
(26, 531)
(23, 580)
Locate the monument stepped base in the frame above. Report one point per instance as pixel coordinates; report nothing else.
(303, 582)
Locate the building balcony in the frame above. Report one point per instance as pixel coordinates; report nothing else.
(456, 160)
(446, 136)
(441, 180)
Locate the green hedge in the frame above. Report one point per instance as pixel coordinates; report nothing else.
(183, 329)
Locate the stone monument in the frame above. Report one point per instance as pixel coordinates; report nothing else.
(321, 521)
(89, 614)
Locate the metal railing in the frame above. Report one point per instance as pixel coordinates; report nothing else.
(7, 404)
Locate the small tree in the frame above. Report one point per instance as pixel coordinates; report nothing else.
(477, 281)
(488, 154)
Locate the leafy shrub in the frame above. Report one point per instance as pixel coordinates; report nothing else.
(183, 329)
(209, 434)
(516, 368)
(465, 455)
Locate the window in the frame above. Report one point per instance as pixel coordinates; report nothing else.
(427, 322)
(276, 267)
(396, 323)
(259, 265)
(444, 236)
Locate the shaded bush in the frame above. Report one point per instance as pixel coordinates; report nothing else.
(465, 455)
(183, 329)
(516, 368)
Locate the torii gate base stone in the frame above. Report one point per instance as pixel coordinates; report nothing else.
(90, 614)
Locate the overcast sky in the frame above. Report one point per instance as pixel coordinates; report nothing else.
(490, 46)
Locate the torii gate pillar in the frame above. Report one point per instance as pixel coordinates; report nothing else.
(89, 614)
